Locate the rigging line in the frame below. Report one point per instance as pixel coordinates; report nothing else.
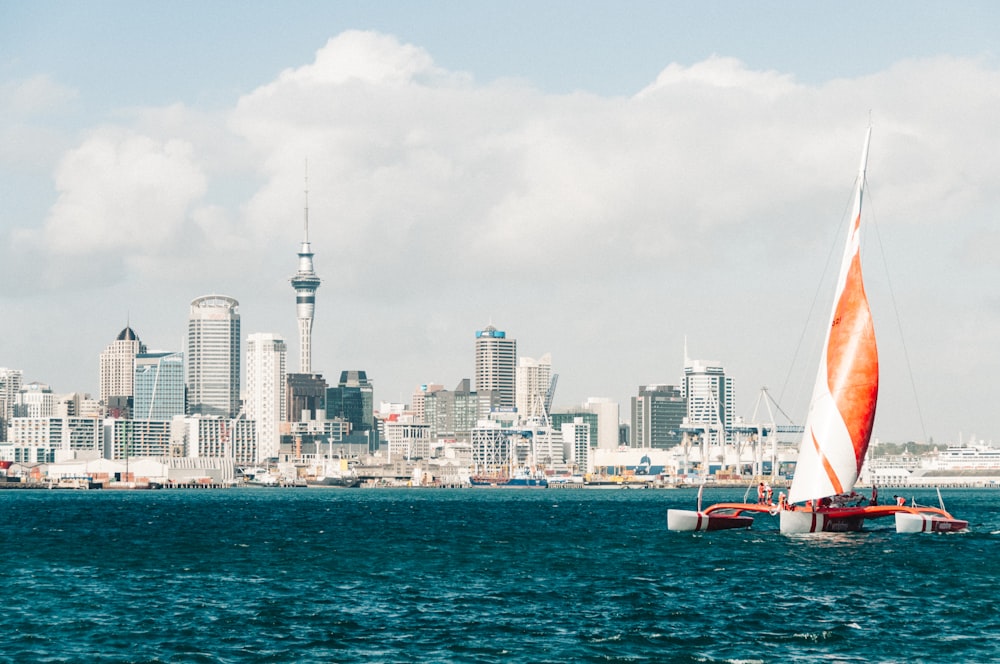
(895, 311)
(820, 284)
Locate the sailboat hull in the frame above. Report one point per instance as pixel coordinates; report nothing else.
(801, 521)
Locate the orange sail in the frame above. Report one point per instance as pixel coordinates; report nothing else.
(842, 409)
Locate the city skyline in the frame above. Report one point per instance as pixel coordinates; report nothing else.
(666, 172)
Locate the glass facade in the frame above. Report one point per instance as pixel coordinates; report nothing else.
(159, 386)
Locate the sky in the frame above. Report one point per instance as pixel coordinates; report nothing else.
(610, 183)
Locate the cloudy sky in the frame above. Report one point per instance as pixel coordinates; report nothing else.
(601, 180)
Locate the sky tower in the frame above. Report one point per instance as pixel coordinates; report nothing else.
(305, 282)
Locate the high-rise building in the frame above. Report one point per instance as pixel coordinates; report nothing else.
(266, 402)
(305, 282)
(159, 386)
(533, 380)
(710, 397)
(118, 372)
(10, 386)
(419, 397)
(496, 362)
(454, 414)
(305, 396)
(213, 356)
(657, 415)
(352, 400)
(608, 416)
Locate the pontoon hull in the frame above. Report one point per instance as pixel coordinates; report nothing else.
(907, 522)
(689, 520)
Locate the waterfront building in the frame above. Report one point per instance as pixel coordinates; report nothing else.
(124, 439)
(492, 449)
(10, 386)
(657, 415)
(159, 386)
(266, 401)
(533, 387)
(407, 440)
(570, 415)
(118, 372)
(50, 439)
(710, 397)
(213, 356)
(576, 445)
(496, 362)
(305, 282)
(310, 440)
(218, 437)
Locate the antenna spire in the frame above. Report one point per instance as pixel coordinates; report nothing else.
(307, 203)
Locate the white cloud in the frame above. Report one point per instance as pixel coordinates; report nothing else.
(123, 192)
(32, 96)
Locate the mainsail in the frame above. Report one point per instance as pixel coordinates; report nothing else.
(842, 408)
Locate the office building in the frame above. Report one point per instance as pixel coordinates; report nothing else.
(710, 399)
(496, 363)
(305, 396)
(266, 402)
(10, 385)
(118, 372)
(352, 400)
(608, 421)
(159, 386)
(453, 414)
(533, 387)
(657, 415)
(213, 356)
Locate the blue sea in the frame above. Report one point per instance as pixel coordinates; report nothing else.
(479, 575)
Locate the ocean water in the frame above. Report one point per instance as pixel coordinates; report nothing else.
(479, 575)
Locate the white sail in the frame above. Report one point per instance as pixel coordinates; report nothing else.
(842, 409)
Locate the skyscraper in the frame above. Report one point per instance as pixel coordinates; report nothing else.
(266, 357)
(10, 386)
(305, 282)
(657, 414)
(352, 400)
(710, 396)
(118, 372)
(159, 386)
(496, 363)
(532, 382)
(213, 356)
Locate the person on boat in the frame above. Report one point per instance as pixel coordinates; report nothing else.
(900, 501)
(769, 492)
(782, 501)
(874, 500)
(760, 493)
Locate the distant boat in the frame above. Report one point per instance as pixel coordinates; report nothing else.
(519, 479)
(335, 478)
(838, 426)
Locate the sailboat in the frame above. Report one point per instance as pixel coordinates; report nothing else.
(838, 426)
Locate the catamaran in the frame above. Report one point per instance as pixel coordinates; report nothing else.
(838, 426)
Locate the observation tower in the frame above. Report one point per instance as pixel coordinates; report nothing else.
(305, 282)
